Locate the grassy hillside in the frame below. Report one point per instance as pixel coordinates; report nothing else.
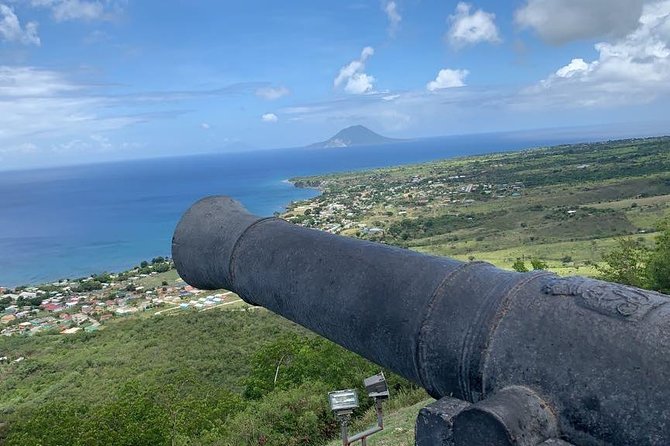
(398, 425)
(236, 375)
(184, 378)
(565, 205)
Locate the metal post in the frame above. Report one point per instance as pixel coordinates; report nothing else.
(344, 431)
(379, 427)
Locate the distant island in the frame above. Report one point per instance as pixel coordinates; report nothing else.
(356, 135)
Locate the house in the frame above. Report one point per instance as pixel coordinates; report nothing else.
(12, 309)
(125, 310)
(79, 318)
(72, 330)
(6, 319)
(55, 308)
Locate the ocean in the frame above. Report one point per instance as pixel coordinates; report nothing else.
(69, 222)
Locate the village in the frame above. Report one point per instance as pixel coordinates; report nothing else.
(85, 305)
(364, 208)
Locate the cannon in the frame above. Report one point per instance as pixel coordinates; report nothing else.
(511, 358)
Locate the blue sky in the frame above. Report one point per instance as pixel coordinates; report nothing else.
(94, 80)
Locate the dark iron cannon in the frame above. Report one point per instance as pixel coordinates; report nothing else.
(512, 358)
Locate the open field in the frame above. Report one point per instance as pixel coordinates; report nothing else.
(564, 205)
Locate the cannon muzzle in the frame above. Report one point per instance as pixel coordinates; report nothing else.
(533, 357)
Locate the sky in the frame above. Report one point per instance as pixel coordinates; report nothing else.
(95, 80)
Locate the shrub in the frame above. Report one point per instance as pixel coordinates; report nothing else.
(520, 266)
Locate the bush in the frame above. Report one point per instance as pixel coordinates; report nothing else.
(294, 360)
(520, 266)
(89, 285)
(626, 263)
(161, 267)
(658, 268)
(538, 264)
(294, 417)
(139, 413)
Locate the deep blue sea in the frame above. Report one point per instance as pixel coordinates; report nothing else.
(74, 221)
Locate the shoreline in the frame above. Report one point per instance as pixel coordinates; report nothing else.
(318, 185)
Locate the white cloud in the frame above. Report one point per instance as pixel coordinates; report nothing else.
(448, 78)
(271, 93)
(394, 17)
(575, 67)
(270, 117)
(359, 83)
(87, 10)
(78, 10)
(560, 21)
(43, 113)
(205, 126)
(632, 69)
(18, 82)
(12, 31)
(355, 80)
(470, 29)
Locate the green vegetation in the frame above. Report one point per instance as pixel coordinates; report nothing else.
(564, 206)
(193, 378)
(399, 423)
(239, 375)
(633, 263)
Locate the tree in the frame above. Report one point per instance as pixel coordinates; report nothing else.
(89, 285)
(626, 263)
(520, 266)
(538, 264)
(658, 268)
(161, 267)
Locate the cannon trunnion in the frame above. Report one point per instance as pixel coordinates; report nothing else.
(513, 359)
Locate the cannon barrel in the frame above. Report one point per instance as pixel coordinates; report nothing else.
(593, 356)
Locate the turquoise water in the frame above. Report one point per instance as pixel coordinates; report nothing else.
(75, 221)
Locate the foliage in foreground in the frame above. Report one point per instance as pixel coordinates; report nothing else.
(633, 263)
(238, 378)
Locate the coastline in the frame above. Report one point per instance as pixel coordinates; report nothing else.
(120, 221)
